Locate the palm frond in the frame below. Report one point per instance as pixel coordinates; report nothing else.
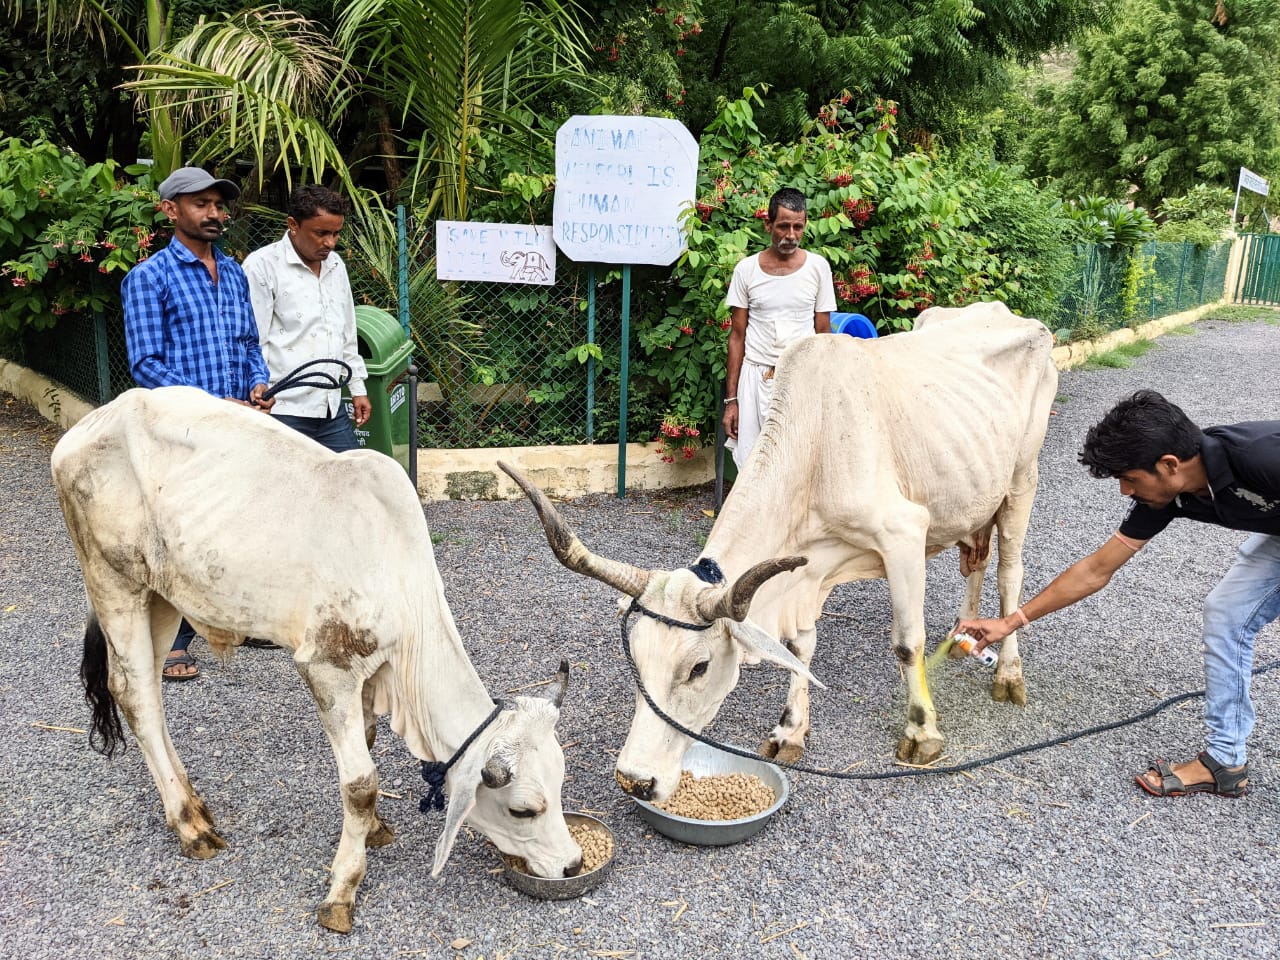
(125, 19)
(263, 81)
(461, 69)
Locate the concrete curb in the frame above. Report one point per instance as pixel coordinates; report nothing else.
(55, 402)
(1074, 354)
(562, 471)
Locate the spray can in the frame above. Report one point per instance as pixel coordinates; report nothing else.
(987, 657)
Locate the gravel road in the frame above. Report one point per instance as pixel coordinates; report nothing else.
(1056, 854)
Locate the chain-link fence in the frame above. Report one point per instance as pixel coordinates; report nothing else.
(502, 365)
(1114, 286)
(85, 353)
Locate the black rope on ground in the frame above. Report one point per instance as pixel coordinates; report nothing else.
(316, 378)
(887, 774)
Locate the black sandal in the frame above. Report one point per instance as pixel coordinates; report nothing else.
(1226, 782)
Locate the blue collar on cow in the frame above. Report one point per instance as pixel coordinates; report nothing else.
(433, 771)
(708, 571)
(654, 615)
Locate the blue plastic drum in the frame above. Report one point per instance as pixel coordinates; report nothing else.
(854, 324)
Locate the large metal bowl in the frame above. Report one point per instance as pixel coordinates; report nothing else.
(562, 888)
(704, 761)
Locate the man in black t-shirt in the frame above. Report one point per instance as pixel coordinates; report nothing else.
(1229, 476)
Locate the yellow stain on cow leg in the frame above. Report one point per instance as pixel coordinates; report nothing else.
(918, 689)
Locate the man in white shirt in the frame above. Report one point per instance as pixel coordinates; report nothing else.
(776, 297)
(302, 301)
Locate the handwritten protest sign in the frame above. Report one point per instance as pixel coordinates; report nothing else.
(497, 252)
(621, 184)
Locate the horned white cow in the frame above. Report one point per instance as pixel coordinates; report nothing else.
(182, 504)
(875, 456)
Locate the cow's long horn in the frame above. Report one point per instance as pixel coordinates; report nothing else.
(735, 601)
(569, 549)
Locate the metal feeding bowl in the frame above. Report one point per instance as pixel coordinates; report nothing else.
(704, 761)
(561, 888)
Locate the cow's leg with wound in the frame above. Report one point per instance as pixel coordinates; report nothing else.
(382, 832)
(140, 627)
(1012, 520)
(785, 742)
(340, 699)
(973, 591)
(903, 554)
(974, 562)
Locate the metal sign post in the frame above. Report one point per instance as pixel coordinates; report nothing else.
(1248, 181)
(621, 184)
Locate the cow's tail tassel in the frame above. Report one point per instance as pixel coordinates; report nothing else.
(433, 772)
(105, 733)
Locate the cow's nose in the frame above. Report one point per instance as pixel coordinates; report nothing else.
(573, 869)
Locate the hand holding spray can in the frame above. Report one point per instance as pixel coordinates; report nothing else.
(968, 644)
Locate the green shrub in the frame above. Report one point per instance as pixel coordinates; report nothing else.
(68, 233)
(1201, 216)
(1025, 227)
(901, 231)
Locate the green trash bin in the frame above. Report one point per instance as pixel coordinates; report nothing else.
(381, 341)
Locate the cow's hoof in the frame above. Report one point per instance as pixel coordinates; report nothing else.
(381, 835)
(206, 844)
(789, 753)
(335, 916)
(918, 751)
(1009, 691)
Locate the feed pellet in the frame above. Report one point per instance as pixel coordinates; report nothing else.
(724, 796)
(596, 846)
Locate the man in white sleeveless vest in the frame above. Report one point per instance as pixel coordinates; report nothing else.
(776, 297)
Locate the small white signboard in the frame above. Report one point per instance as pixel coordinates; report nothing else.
(496, 252)
(621, 184)
(1251, 181)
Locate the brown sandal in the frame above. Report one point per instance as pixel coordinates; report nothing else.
(180, 658)
(1226, 782)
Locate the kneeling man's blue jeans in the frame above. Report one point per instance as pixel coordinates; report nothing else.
(1243, 602)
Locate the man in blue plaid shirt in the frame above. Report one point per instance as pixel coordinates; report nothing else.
(188, 320)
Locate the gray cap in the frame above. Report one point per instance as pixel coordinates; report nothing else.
(194, 180)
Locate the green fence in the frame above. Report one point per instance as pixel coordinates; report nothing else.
(1259, 279)
(497, 362)
(1111, 287)
(494, 364)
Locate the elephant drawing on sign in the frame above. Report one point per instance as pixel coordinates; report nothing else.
(527, 266)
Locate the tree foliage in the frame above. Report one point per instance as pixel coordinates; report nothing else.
(72, 101)
(1179, 92)
(931, 56)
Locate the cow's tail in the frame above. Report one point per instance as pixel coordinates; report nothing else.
(105, 732)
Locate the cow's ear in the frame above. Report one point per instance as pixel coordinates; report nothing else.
(462, 800)
(766, 647)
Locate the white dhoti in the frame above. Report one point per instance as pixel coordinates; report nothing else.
(755, 394)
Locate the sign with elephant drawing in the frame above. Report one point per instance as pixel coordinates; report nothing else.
(495, 252)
